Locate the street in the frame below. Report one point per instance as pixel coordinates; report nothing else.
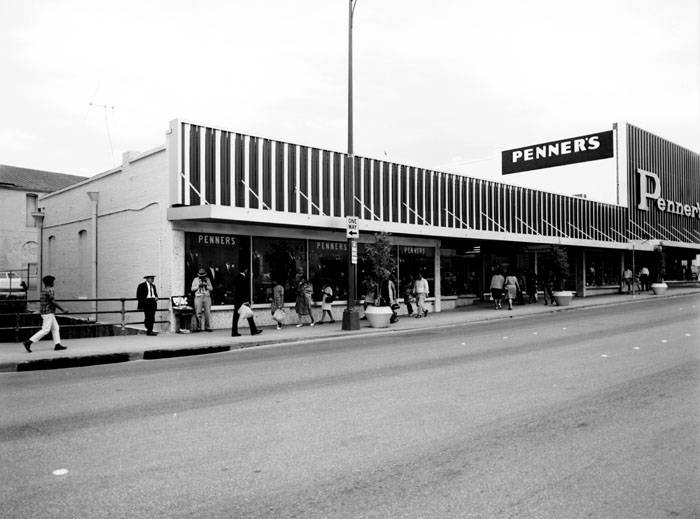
(592, 413)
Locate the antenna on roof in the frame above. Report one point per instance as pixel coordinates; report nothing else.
(109, 135)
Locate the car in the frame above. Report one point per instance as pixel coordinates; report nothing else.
(11, 283)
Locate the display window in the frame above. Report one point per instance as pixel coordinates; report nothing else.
(413, 260)
(328, 265)
(602, 268)
(220, 255)
(277, 260)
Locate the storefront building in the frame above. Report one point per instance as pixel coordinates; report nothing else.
(229, 203)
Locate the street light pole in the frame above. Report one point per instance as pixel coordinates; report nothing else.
(351, 317)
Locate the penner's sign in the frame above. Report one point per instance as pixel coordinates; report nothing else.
(558, 153)
(650, 189)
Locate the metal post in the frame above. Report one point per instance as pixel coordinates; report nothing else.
(633, 269)
(123, 316)
(351, 317)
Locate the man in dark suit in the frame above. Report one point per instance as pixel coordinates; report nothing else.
(147, 297)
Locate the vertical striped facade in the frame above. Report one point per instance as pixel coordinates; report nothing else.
(678, 170)
(225, 168)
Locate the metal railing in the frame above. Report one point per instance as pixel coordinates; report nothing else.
(98, 309)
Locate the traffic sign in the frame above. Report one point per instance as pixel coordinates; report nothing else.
(352, 229)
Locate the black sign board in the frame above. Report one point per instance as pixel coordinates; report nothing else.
(558, 153)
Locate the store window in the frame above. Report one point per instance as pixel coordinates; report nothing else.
(328, 265)
(602, 268)
(459, 268)
(222, 256)
(278, 260)
(413, 260)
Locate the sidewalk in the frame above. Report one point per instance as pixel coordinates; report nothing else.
(105, 350)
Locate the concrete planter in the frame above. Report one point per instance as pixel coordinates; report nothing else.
(563, 297)
(378, 316)
(659, 288)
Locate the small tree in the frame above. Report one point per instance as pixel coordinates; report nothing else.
(379, 258)
(558, 263)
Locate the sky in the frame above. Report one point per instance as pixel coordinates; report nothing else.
(440, 84)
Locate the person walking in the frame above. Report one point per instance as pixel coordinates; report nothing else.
(531, 287)
(548, 287)
(422, 290)
(277, 304)
(497, 283)
(202, 288)
(389, 296)
(48, 307)
(147, 297)
(408, 298)
(628, 278)
(327, 298)
(644, 279)
(304, 301)
(241, 297)
(512, 287)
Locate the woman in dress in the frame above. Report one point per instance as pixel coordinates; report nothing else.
(512, 287)
(326, 299)
(304, 301)
(277, 303)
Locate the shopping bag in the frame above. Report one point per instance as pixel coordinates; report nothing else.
(244, 312)
(280, 316)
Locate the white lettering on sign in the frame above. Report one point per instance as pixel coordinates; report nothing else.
(558, 148)
(650, 189)
(216, 239)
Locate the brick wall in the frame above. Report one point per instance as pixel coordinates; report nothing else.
(134, 236)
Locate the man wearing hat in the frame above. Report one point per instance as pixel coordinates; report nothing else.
(147, 297)
(202, 287)
(48, 317)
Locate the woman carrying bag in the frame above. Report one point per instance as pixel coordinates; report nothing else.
(277, 305)
(327, 298)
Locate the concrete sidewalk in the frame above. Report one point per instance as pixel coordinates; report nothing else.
(105, 350)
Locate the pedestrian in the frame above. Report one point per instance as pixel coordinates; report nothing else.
(531, 287)
(628, 278)
(277, 304)
(548, 287)
(408, 297)
(202, 288)
(241, 297)
(147, 297)
(48, 307)
(389, 296)
(497, 283)
(644, 278)
(422, 290)
(512, 288)
(304, 301)
(327, 297)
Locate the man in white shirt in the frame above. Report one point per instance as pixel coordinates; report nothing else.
(421, 289)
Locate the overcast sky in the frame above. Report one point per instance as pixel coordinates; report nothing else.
(439, 84)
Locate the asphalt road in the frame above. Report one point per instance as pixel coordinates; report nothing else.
(593, 413)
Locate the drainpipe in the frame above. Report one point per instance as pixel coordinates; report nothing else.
(39, 222)
(94, 198)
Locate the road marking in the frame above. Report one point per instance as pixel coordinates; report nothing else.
(564, 328)
(664, 340)
(60, 472)
(687, 335)
(505, 337)
(604, 356)
(464, 344)
(636, 348)
(534, 333)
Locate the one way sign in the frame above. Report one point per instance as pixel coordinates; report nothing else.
(352, 227)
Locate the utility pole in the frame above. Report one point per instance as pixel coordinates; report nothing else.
(351, 317)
